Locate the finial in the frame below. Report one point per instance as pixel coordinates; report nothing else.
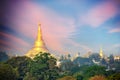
(39, 24)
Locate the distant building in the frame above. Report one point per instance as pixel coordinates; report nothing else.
(116, 57)
(87, 54)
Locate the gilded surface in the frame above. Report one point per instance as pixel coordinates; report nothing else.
(39, 45)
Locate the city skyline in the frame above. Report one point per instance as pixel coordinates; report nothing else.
(67, 26)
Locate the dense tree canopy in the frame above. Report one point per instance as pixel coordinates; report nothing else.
(20, 64)
(44, 67)
(7, 72)
(67, 78)
(78, 76)
(94, 70)
(115, 76)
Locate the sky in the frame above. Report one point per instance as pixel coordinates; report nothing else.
(68, 26)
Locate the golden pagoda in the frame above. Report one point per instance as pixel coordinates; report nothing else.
(39, 45)
(101, 53)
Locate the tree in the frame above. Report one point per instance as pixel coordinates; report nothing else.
(43, 67)
(115, 76)
(94, 70)
(78, 76)
(98, 77)
(103, 62)
(62, 58)
(117, 65)
(66, 65)
(3, 56)
(111, 59)
(29, 76)
(67, 78)
(7, 72)
(21, 64)
(69, 56)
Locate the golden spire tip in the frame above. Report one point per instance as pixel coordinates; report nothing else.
(39, 24)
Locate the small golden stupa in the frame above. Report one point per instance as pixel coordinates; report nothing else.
(101, 53)
(39, 45)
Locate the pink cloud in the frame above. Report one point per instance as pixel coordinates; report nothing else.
(13, 41)
(56, 29)
(7, 44)
(114, 30)
(99, 14)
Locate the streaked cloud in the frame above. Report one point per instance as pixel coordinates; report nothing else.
(59, 24)
(14, 39)
(114, 30)
(12, 43)
(56, 28)
(99, 14)
(116, 45)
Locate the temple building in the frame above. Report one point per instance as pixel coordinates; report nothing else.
(39, 45)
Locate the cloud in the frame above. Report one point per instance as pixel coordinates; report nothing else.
(56, 28)
(4, 44)
(99, 14)
(114, 30)
(116, 45)
(14, 39)
(12, 42)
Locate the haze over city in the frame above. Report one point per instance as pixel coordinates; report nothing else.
(67, 26)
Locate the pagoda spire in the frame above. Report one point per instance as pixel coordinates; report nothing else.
(39, 45)
(39, 34)
(101, 52)
(39, 42)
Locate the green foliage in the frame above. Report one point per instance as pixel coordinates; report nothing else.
(75, 69)
(110, 72)
(83, 68)
(7, 72)
(44, 67)
(20, 64)
(94, 70)
(115, 76)
(67, 65)
(116, 65)
(80, 69)
(29, 76)
(78, 76)
(111, 59)
(67, 78)
(65, 73)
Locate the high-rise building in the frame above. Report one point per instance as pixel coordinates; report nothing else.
(39, 45)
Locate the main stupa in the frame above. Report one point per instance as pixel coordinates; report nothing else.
(39, 45)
